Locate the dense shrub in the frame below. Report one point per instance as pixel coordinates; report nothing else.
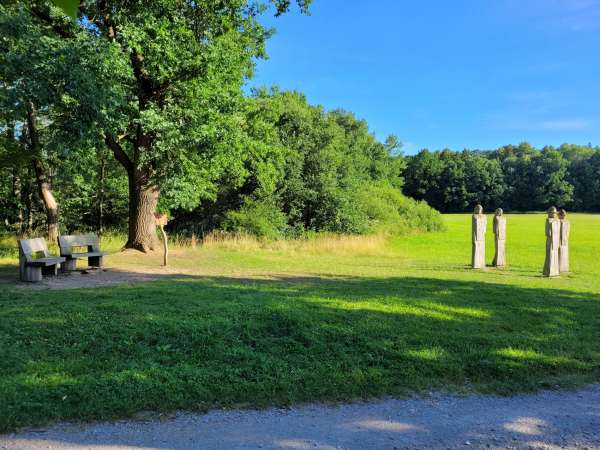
(389, 211)
(260, 219)
(309, 170)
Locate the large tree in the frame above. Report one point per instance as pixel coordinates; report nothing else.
(35, 99)
(176, 69)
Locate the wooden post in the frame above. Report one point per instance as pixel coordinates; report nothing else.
(161, 221)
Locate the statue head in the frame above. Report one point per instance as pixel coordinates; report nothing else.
(562, 214)
(552, 212)
(478, 210)
(499, 212)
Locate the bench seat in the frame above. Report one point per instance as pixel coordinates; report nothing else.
(49, 261)
(35, 261)
(87, 254)
(71, 246)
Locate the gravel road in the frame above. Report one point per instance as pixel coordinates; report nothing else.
(546, 420)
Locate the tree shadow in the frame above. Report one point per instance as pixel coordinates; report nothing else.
(190, 342)
(7, 273)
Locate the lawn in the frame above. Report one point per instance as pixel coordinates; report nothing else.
(245, 325)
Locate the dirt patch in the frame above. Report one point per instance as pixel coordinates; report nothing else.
(99, 278)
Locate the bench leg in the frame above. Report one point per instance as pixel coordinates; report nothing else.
(95, 261)
(32, 274)
(50, 271)
(69, 265)
(22, 269)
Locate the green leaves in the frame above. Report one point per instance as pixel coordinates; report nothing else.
(70, 7)
(305, 170)
(517, 178)
(161, 82)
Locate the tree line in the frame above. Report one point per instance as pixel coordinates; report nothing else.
(514, 177)
(138, 107)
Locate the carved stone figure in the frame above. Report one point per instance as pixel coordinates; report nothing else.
(479, 225)
(551, 265)
(565, 232)
(500, 238)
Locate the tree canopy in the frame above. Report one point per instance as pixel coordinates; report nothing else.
(162, 94)
(139, 108)
(517, 178)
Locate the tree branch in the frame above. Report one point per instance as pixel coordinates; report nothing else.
(119, 153)
(64, 30)
(32, 128)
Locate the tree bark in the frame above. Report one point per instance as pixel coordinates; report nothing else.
(143, 200)
(50, 204)
(165, 246)
(27, 201)
(42, 179)
(18, 210)
(101, 194)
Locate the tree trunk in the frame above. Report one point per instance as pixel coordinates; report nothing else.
(18, 210)
(43, 182)
(50, 205)
(27, 201)
(101, 195)
(143, 200)
(15, 214)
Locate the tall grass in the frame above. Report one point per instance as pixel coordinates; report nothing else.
(8, 246)
(318, 243)
(315, 243)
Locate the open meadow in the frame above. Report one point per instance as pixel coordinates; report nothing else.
(241, 324)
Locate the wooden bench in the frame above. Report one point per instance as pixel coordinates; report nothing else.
(68, 243)
(35, 261)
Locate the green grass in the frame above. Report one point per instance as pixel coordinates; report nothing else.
(273, 325)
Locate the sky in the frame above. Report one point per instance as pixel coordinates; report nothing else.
(447, 74)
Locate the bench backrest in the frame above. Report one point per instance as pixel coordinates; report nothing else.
(31, 248)
(66, 243)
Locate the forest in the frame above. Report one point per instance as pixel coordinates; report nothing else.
(133, 110)
(516, 178)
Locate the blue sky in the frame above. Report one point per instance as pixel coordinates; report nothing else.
(476, 74)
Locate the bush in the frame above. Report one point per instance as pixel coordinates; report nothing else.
(391, 212)
(377, 208)
(261, 219)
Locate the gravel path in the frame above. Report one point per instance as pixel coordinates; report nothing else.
(547, 420)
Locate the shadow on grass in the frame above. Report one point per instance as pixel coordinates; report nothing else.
(9, 273)
(193, 343)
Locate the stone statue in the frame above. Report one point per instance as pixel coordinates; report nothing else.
(565, 232)
(551, 265)
(479, 225)
(500, 238)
